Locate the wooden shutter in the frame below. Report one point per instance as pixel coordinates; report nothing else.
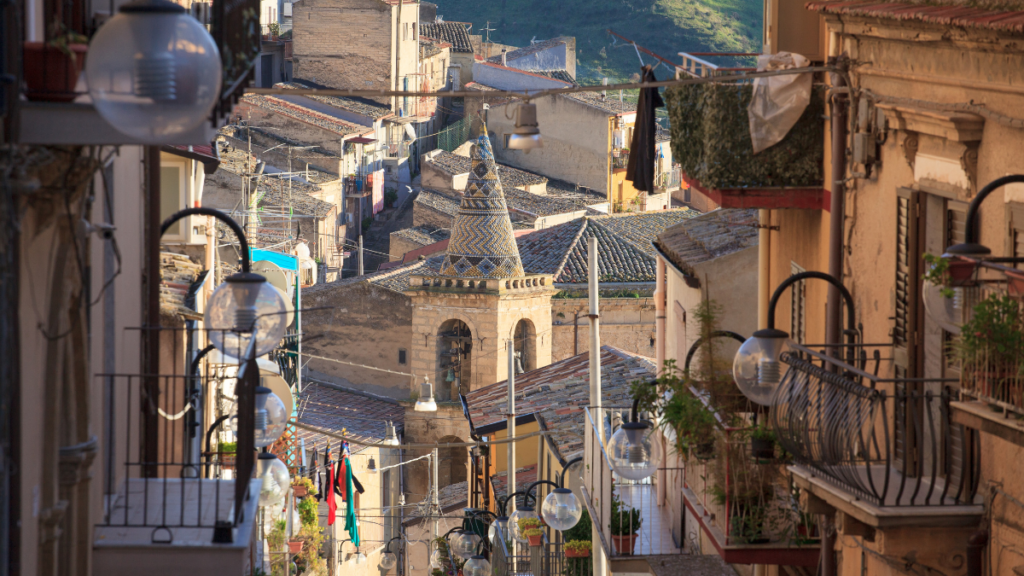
(906, 339)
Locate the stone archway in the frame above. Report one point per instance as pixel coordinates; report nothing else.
(452, 463)
(454, 359)
(524, 335)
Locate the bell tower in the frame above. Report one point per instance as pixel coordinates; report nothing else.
(480, 301)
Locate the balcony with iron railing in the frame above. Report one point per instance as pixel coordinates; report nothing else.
(620, 158)
(712, 142)
(169, 500)
(668, 181)
(47, 101)
(883, 450)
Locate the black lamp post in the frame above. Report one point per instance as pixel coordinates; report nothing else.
(970, 246)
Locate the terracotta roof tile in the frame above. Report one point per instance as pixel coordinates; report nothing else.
(709, 236)
(454, 33)
(361, 106)
(335, 410)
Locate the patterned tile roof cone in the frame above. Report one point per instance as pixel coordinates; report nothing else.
(482, 244)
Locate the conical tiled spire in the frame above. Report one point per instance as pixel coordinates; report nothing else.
(482, 243)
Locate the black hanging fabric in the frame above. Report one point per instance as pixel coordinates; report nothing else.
(642, 154)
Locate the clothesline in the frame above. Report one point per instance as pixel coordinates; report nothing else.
(349, 439)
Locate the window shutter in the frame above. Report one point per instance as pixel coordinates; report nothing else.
(907, 309)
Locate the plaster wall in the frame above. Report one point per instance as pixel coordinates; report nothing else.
(448, 424)
(576, 142)
(527, 450)
(626, 323)
(365, 324)
(509, 78)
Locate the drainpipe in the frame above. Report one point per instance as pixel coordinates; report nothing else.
(976, 553)
(764, 290)
(659, 313)
(833, 311)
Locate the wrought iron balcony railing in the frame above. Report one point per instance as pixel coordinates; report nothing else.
(620, 158)
(887, 441)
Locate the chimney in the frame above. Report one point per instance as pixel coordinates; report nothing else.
(504, 57)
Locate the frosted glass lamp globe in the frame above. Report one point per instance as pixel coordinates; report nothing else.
(477, 566)
(271, 417)
(635, 451)
(561, 509)
(757, 367)
(154, 72)
(276, 480)
(243, 305)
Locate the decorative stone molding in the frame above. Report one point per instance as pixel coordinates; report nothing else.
(50, 521)
(910, 145)
(969, 162)
(75, 462)
(953, 126)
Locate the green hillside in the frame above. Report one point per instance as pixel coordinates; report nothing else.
(663, 26)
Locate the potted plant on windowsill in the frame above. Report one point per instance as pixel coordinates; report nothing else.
(52, 68)
(577, 549)
(625, 526)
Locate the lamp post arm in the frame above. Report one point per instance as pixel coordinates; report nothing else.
(387, 547)
(227, 220)
(851, 320)
(538, 483)
(565, 467)
(971, 228)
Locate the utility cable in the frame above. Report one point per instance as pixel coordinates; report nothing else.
(362, 442)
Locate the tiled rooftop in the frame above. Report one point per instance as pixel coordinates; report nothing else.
(430, 47)
(958, 16)
(579, 194)
(524, 477)
(328, 408)
(709, 236)
(177, 273)
(510, 177)
(491, 100)
(559, 392)
(527, 50)
(453, 495)
(423, 235)
(562, 75)
(303, 114)
(440, 202)
(274, 191)
(454, 33)
(641, 228)
(360, 106)
(541, 205)
(266, 139)
(562, 252)
(609, 104)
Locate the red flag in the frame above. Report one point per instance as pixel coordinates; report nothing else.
(332, 506)
(340, 478)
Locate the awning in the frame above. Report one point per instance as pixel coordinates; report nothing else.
(284, 261)
(361, 140)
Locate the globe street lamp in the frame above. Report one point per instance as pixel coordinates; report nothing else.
(757, 367)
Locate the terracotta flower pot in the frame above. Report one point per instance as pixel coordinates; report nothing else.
(300, 491)
(536, 540)
(295, 546)
(624, 544)
(577, 553)
(50, 74)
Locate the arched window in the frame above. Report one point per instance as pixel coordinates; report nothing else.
(525, 338)
(451, 462)
(454, 359)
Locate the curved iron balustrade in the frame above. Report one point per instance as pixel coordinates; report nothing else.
(886, 440)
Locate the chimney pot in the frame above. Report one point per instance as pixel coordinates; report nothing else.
(504, 57)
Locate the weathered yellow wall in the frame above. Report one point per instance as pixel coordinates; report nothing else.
(526, 450)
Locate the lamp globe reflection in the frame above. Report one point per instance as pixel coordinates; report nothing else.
(360, 557)
(435, 558)
(388, 560)
(635, 451)
(244, 305)
(477, 566)
(465, 544)
(561, 509)
(154, 72)
(276, 480)
(757, 367)
(500, 524)
(513, 522)
(271, 417)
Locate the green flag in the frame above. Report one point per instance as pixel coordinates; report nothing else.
(351, 523)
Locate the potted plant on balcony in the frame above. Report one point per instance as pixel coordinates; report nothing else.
(625, 526)
(52, 68)
(694, 423)
(274, 30)
(528, 525)
(990, 349)
(577, 549)
(303, 486)
(535, 536)
(308, 511)
(762, 443)
(226, 454)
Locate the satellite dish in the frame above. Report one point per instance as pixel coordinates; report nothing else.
(274, 275)
(267, 366)
(290, 317)
(278, 386)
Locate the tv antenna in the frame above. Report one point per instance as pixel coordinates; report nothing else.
(488, 29)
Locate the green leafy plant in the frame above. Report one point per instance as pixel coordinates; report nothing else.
(760, 432)
(581, 531)
(228, 447)
(992, 341)
(275, 538)
(306, 482)
(61, 38)
(578, 546)
(310, 555)
(533, 532)
(390, 197)
(625, 521)
(694, 423)
(308, 512)
(274, 28)
(528, 523)
(367, 222)
(938, 273)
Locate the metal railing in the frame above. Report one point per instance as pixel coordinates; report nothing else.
(165, 481)
(989, 359)
(668, 180)
(696, 67)
(632, 519)
(888, 441)
(620, 158)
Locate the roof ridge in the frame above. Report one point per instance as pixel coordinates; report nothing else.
(568, 252)
(621, 238)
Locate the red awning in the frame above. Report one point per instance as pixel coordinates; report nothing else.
(361, 140)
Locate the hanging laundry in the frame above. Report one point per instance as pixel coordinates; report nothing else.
(640, 169)
(351, 522)
(332, 505)
(339, 476)
(318, 479)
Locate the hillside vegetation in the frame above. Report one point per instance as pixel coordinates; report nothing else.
(663, 26)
